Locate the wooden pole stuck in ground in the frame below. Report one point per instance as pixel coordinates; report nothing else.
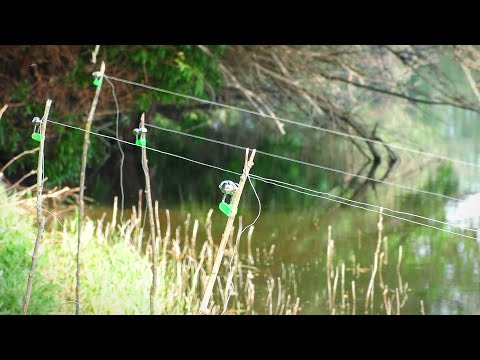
(148, 194)
(228, 229)
(40, 216)
(81, 205)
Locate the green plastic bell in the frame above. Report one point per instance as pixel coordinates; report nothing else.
(97, 81)
(37, 137)
(141, 142)
(225, 208)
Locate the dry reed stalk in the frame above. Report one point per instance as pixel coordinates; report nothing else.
(270, 287)
(296, 307)
(279, 297)
(128, 232)
(228, 229)
(422, 309)
(370, 290)
(335, 282)
(354, 266)
(272, 249)
(114, 214)
(386, 302)
(240, 228)
(99, 228)
(354, 298)
(220, 289)
(288, 301)
(167, 233)
(249, 237)
(133, 216)
(240, 273)
(107, 232)
(40, 216)
(343, 285)
(380, 274)
(197, 272)
(208, 227)
(250, 291)
(139, 218)
(186, 224)
(157, 223)
(385, 249)
(398, 300)
(399, 263)
(330, 245)
(194, 238)
(81, 212)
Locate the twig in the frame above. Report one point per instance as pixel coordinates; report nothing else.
(40, 216)
(95, 53)
(226, 234)
(15, 158)
(81, 211)
(32, 172)
(2, 110)
(471, 81)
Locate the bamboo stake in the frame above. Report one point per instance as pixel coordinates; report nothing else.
(40, 216)
(148, 193)
(226, 234)
(81, 211)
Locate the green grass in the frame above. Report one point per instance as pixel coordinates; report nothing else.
(16, 244)
(116, 271)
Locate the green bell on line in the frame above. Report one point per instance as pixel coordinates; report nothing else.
(140, 141)
(36, 135)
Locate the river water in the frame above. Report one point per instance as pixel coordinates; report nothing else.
(439, 272)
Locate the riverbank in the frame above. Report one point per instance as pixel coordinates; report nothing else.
(116, 270)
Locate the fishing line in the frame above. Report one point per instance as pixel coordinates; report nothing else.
(79, 305)
(306, 163)
(54, 217)
(364, 208)
(339, 133)
(266, 180)
(362, 203)
(120, 147)
(326, 168)
(237, 242)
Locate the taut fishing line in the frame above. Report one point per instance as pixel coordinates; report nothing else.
(335, 132)
(270, 181)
